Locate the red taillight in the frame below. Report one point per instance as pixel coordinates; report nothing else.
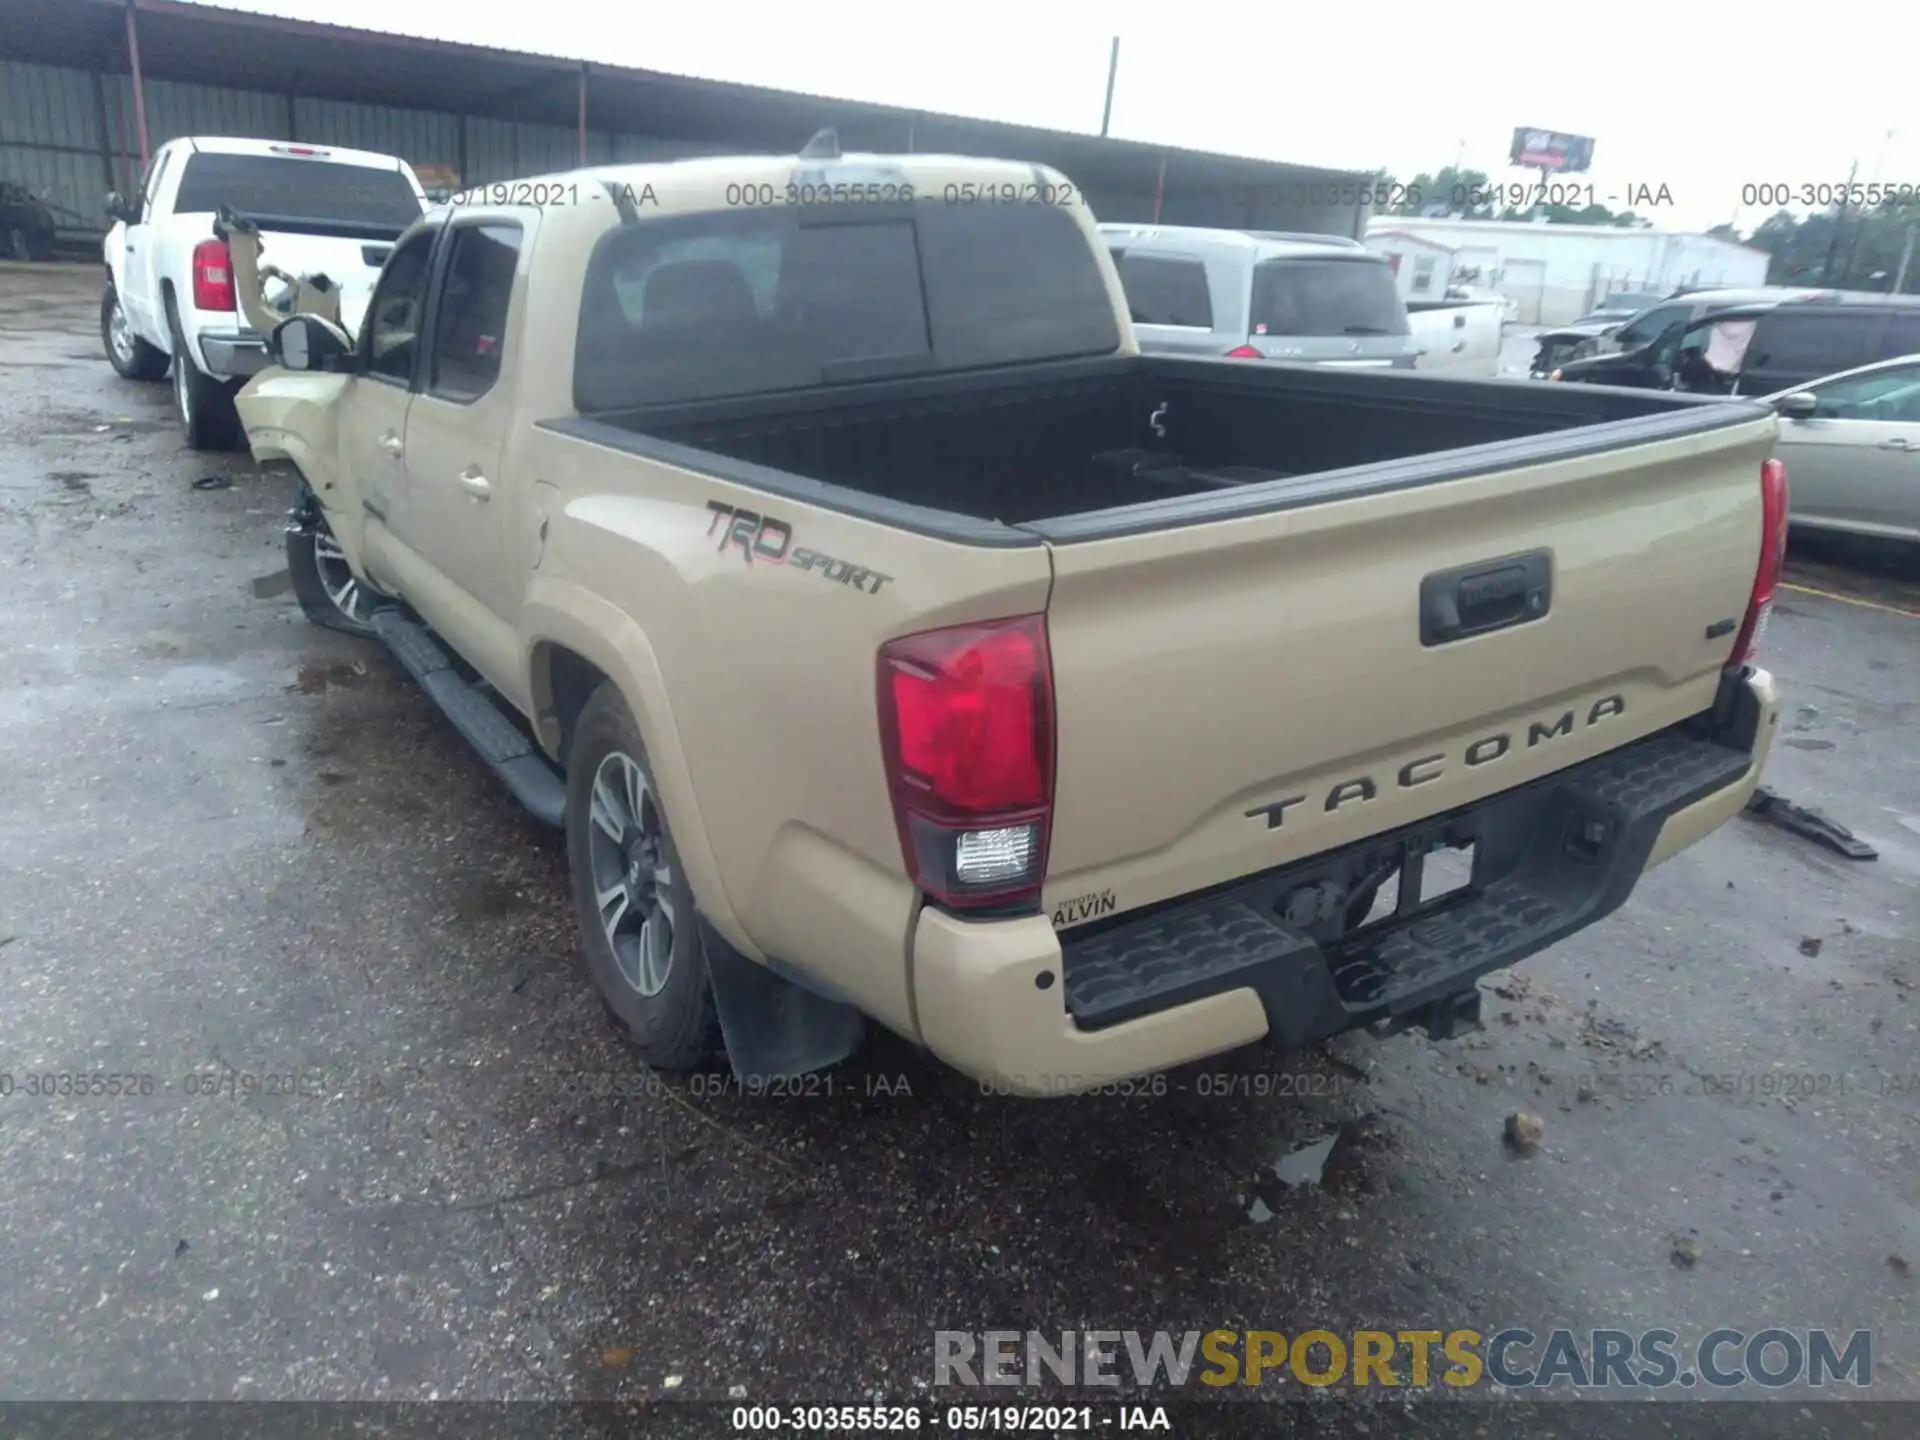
(1773, 555)
(966, 724)
(1244, 352)
(212, 276)
(296, 150)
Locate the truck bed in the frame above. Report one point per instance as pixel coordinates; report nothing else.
(1041, 446)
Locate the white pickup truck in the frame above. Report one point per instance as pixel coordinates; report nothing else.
(170, 300)
(1458, 336)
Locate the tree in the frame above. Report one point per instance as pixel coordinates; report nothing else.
(1858, 249)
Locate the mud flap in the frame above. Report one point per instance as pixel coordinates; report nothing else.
(774, 1026)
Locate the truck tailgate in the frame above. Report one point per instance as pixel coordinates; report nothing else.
(1236, 695)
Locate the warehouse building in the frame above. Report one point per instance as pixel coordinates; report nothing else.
(1556, 273)
(90, 88)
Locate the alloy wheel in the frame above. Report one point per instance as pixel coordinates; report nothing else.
(632, 880)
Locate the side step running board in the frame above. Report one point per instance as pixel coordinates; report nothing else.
(500, 742)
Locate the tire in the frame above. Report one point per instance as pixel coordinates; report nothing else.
(131, 357)
(328, 591)
(661, 998)
(205, 405)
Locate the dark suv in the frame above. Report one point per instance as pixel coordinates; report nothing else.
(26, 224)
(1759, 349)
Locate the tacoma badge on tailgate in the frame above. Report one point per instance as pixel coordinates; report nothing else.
(1423, 769)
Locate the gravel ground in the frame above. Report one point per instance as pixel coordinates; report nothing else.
(391, 1149)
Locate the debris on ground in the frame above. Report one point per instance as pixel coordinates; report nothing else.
(1586, 1094)
(1524, 1131)
(1305, 1163)
(1686, 1250)
(1514, 987)
(1899, 1265)
(1598, 1032)
(265, 587)
(1798, 820)
(214, 482)
(1809, 944)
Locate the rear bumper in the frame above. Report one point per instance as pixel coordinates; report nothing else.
(1005, 1002)
(233, 355)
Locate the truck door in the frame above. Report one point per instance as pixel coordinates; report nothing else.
(373, 417)
(138, 281)
(460, 512)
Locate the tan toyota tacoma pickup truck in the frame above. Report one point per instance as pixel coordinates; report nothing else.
(807, 536)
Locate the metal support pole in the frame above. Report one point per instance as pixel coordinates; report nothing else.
(106, 131)
(1113, 69)
(139, 95)
(1906, 254)
(1160, 190)
(583, 114)
(292, 134)
(1839, 224)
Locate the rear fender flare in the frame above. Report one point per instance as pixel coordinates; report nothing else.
(558, 613)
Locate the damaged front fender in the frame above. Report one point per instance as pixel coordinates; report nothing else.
(294, 418)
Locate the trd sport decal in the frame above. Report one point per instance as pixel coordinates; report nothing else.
(770, 541)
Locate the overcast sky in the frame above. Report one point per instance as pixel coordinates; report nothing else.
(1699, 96)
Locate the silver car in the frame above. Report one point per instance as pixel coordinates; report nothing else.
(1852, 447)
(1261, 294)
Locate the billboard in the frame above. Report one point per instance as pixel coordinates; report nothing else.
(1551, 150)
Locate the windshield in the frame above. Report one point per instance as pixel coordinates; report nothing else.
(1326, 297)
(1645, 329)
(310, 189)
(743, 302)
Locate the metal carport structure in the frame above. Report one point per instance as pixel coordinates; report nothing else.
(89, 87)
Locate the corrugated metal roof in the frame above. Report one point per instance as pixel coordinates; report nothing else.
(496, 114)
(222, 46)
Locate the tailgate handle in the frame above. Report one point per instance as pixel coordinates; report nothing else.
(1485, 596)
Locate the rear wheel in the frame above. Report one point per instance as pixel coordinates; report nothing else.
(205, 405)
(630, 895)
(132, 358)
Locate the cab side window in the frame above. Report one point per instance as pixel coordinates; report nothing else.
(394, 314)
(1165, 289)
(151, 186)
(470, 332)
(1645, 329)
(1793, 341)
(1887, 395)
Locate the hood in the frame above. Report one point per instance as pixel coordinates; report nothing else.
(1585, 331)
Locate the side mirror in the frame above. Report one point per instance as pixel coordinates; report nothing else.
(118, 209)
(1800, 405)
(307, 342)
